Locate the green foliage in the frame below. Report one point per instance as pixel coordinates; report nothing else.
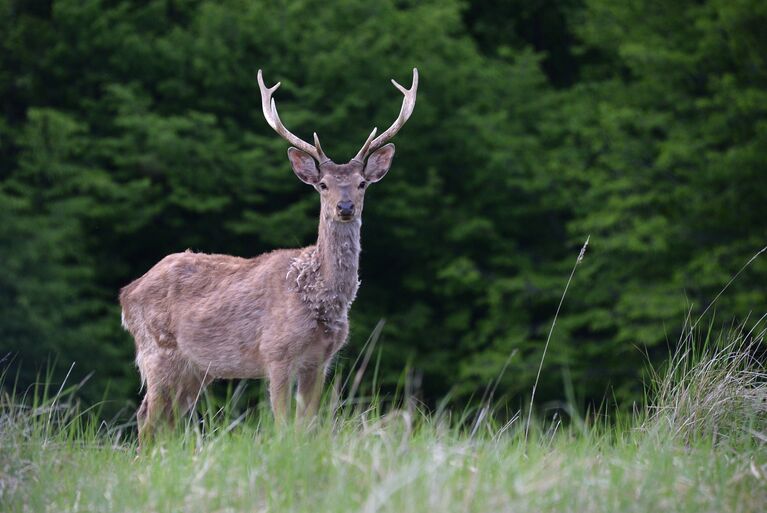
(134, 130)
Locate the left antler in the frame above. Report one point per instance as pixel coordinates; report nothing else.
(408, 104)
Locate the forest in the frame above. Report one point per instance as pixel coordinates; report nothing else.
(132, 130)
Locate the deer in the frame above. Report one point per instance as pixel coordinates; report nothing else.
(282, 315)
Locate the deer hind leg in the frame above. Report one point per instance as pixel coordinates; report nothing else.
(279, 392)
(190, 384)
(154, 410)
(172, 387)
(310, 382)
(141, 413)
(151, 410)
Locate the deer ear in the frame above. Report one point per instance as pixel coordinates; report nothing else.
(303, 166)
(379, 163)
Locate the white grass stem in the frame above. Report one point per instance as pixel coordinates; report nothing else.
(551, 330)
(58, 394)
(735, 277)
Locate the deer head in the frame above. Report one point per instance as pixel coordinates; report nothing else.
(341, 186)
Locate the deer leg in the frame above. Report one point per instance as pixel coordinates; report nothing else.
(154, 409)
(167, 381)
(310, 381)
(190, 386)
(141, 414)
(279, 392)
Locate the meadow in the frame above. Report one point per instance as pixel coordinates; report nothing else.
(697, 445)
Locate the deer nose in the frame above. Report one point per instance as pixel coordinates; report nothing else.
(345, 208)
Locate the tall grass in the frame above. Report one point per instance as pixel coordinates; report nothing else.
(712, 388)
(698, 445)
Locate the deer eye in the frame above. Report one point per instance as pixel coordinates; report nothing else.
(323, 186)
(361, 185)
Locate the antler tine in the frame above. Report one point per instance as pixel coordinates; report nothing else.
(408, 104)
(320, 153)
(269, 107)
(360, 156)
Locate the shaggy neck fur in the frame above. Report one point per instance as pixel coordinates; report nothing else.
(325, 275)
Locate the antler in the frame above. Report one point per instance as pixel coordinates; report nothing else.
(408, 104)
(270, 113)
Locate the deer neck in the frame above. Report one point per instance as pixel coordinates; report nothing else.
(338, 255)
(325, 275)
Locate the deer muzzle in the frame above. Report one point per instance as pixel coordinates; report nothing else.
(345, 209)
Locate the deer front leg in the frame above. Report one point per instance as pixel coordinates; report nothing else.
(310, 381)
(279, 393)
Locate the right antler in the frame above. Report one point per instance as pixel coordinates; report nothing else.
(408, 104)
(270, 113)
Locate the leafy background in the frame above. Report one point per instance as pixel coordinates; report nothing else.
(130, 130)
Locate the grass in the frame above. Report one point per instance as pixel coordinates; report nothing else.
(698, 445)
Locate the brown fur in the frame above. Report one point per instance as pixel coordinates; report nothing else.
(196, 317)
